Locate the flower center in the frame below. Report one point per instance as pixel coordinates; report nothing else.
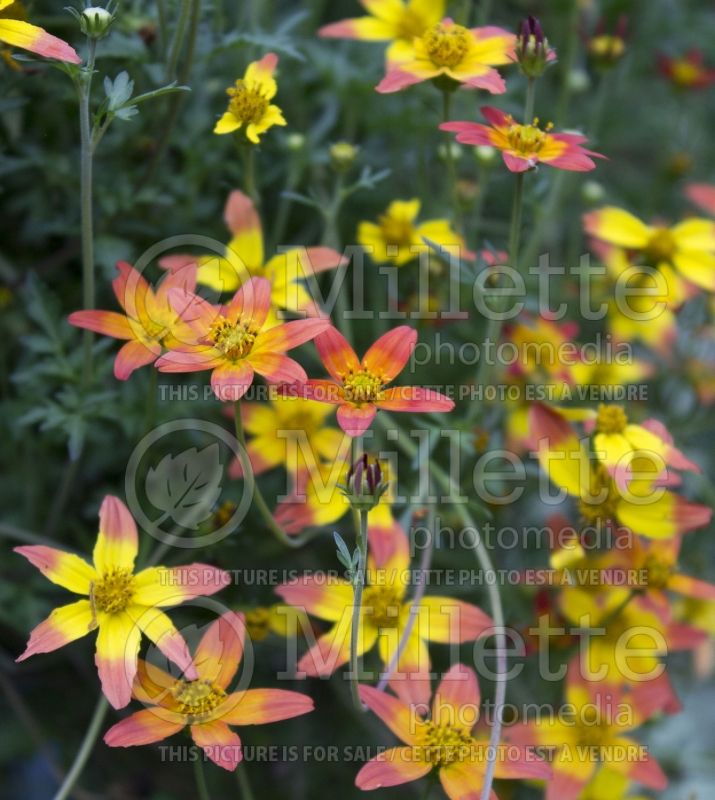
(607, 46)
(527, 139)
(362, 387)
(603, 498)
(443, 744)
(409, 25)
(113, 591)
(382, 606)
(658, 573)
(257, 623)
(661, 246)
(396, 232)
(611, 419)
(248, 103)
(594, 730)
(197, 699)
(447, 45)
(685, 73)
(234, 339)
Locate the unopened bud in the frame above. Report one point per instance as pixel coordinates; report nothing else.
(593, 192)
(605, 49)
(343, 155)
(455, 151)
(532, 48)
(365, 485)
(485, 154)
(295, 141)
(95, 21)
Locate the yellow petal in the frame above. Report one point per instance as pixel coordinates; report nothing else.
(617, 226)
(227, 124)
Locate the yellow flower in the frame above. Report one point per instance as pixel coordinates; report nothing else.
(250, 103)
(283, 620)
(397, 238)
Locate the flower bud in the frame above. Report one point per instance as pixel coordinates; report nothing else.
(454, 149)
(532, 48)
(343, 155)
(365, 485)
(605, 49)
(95, 21)
(593, 193)
(295, 141)
(485, 154)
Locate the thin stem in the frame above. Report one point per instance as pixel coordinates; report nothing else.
(331, 238)
(163, 29)
(248, 156)
(358, 585)
(243, 783)
(449, 158)
(151, 400)
(530, 100)
(177, 42)
(567, 63)
(200, 777)
(21, 535)
(260, 501)
(85, 749)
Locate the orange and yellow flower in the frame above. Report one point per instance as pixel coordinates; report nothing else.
(250, 105)
(452, 52)
(245, 258)
(233, 341)
(18, 33)
(202, 701)
(687, 71)
(358, 387)
(394, 21)
(120, 604)
(524, 146)
(688, 247)
(149, 323)
(397, 238)
(445, 743)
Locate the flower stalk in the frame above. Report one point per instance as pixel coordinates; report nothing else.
(358, 586)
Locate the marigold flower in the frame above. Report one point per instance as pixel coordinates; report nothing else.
(687, 71)
(445, 742)
(149, 323)
(525, 146)
(202, 701)
(245, 258)
(398, 238)
(18, 33)
(688, 247)
(454, 53)
(250, 105)
(358, 386)
(394, 21)
(233, 342)
(120, 604)
(385, 612)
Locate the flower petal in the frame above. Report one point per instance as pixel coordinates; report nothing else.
(242, 220)
(614, 225)
(117, 544)
(390, 353)
(17, 33)
(414, 399)
(277, 368)
(401, 719)
(116, 659)
(170, 586)
(134, 355)
(456, 701)
(259, 706)
(391, 768)
(64, 625)
(157, 627)
(230, 381)
(355, 420)
(64, 569)
(219, 743)
(289, 335)
(220, 650)
(319, 596)
(335, 352)
(451, 620)
(144, 727)
(108, 323)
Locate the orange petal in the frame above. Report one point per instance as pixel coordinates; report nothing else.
(251, 303)
(132, 356)
(402, 720)
(18, 33)
(260, 706)
(289, 335)
(318, 596)
(414, 399)
(391, 768)
(231, 381)
(220, 650)
(456, 701)
(64, 569)
(169, 586)
(277, 368)
(116, 659)
(450, 620)
(219, 743)
(355, 420)
(64, 625)
(116, 546)
(390, 353)
(335, 352)
(108, 323)
(144, 727)
(157, 627)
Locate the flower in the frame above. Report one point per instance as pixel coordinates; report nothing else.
(149, 323)
(385, 612)
(120, 604)
(245, 258)
(394, 21)
(233, 342)
(532, 51)
(18, 33)
(523, 147)
(397, 238)
(688, 247)
(290, 431)
(445, 742)
(687, 71)
(456, 54)
(358, 386)
(365, 484)
(605, 49)
(641, 504)
(279, 618)
(703, 195)
(202, 701)
(250, 105)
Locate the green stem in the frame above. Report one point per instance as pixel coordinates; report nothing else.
(530, 101)
(243, 783)
(85, 749)
(331, 238)
(177, 43)
(151, 400)
(200, 777)
(485, 12)
(248, 155)
(260, 502)
(86, 199)
(21, 535)
(449, 158)
(358, 585)
(162, 26)
(567, 63)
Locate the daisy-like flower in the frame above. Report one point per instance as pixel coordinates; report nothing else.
(358, 387)
(202, 702)
(233, 342)
(643, 505)
(245, 258)
(119, 604)
(688, 247)
(394, 21)
(384, 615)
(280, 619)
(398, 238)
(18, 33)
(687, 71)
(149, 323)
(279, 433)
(445, 743)
(703, 195)
(250, 105)
(524, 146)
(452, 52)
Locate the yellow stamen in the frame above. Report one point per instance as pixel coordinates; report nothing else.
(443, 744)
(447, 45)
(234, 339)
(661, 246)
(603, 498)
(611, 419)
(362, 387)
(113, 592)
(395, 231)
(197, 699)
(248, 102)
(381, 605)
(527, 139)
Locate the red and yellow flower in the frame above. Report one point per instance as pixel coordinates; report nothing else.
(18, 33)
(687, 71)
(452, 52)
(703, 195)
(202, 701)
(233, 341)
(524, 146)
(444, 743)
(394, 21)
(250, 105)
(120, 604)
(397, 238)
(688, 247)
(245, 258)
(358, 386)
(149, 323)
